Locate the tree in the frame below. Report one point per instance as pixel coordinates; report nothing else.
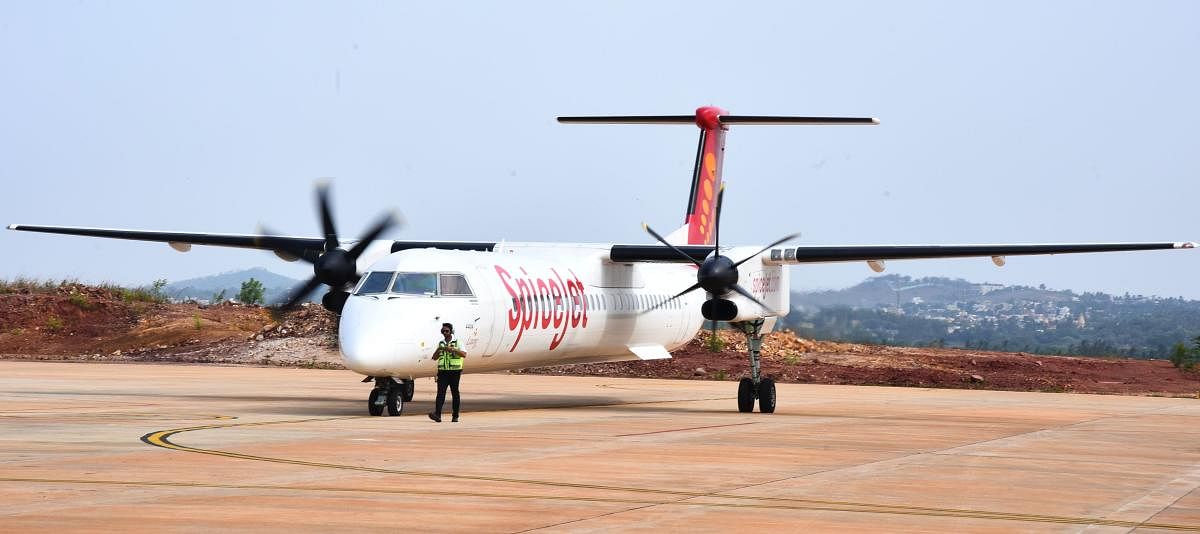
(218, 297)
(251, 292)
(1183, 358)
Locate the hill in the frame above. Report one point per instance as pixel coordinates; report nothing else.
(956, 313)
(275, 286)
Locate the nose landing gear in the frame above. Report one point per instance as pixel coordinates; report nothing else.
(391, 394)
(754, 386)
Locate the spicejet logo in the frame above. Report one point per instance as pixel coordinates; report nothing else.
(544, 303)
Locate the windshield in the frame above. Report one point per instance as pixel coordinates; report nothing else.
(376, 282)
(415, 284)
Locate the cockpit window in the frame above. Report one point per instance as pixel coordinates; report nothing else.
(415, 284)
(454, 285)
(376, 282)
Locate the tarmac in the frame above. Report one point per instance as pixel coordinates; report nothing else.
(179, 448)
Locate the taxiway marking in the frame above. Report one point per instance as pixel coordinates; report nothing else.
(162, 439)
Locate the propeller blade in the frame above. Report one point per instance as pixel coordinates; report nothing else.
(742, 291)
(281, 247)
(664, 241)
(300, 293)
(764, 249)
(680, 294)
(331, 240)
(380, 227)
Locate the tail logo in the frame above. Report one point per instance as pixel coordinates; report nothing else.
(708, 178)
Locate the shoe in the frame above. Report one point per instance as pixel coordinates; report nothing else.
(455, 420)
(436, 418)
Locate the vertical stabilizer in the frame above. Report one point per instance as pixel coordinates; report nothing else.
(700, 219)
(706, 176)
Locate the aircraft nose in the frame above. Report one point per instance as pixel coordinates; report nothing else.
(372, 345)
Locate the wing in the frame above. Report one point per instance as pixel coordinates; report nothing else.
(287, 247)
(832, 254)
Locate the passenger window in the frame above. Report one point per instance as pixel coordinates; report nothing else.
(415, 284)
(376, 282)
(454, 285)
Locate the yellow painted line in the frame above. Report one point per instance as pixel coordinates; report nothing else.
(161, 438)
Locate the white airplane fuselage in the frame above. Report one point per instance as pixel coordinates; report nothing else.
(529, 305)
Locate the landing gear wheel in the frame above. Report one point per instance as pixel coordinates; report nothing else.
(409, 388)
(746, 395)
(766, 395)
(374, 405)
(395, 401)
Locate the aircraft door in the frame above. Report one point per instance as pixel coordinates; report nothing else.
(490, 310)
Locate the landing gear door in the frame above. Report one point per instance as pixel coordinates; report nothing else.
(490, 310)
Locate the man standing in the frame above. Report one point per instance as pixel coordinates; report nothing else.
(450, 364)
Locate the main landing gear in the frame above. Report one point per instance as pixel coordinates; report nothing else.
(389, 393)
(755, 386)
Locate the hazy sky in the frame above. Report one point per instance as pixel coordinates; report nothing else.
(1018, 121)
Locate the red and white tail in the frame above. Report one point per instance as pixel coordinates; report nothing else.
(706, 177)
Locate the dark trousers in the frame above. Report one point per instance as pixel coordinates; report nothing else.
(447, 379)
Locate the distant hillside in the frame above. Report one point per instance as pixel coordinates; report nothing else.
(204, 288)
(947, 312)
(895, 290)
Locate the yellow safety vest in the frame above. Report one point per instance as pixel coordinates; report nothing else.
(449, 361)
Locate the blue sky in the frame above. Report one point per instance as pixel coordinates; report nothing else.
(1000, 122)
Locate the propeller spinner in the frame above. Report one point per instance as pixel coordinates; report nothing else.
(335, 267)
(717, 274)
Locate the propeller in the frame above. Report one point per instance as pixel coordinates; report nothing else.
(717, 274)
(335, 267)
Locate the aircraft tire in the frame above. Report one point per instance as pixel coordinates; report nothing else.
(766, 395)
(373, 407)
(395, 401)
(410, 388)
(746, 395)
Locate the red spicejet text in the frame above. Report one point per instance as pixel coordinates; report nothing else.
(544, 303)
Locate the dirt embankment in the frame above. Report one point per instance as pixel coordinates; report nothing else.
(76, 322)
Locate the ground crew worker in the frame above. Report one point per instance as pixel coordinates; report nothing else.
(450, 364)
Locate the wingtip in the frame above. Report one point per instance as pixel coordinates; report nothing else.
(13, 226)
(1186, 244)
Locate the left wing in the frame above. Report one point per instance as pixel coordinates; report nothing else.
(831, 254)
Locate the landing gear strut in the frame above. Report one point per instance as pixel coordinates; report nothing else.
(755, 386)
(391, 394)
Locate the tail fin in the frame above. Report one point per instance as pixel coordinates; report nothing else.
(706, 176)
(710, 153)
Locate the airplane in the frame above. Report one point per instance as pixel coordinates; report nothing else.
(529, 304)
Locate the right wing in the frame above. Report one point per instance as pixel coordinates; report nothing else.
(286, 247)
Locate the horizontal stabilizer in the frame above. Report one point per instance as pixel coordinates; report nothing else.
(724, 119)
(650, 352)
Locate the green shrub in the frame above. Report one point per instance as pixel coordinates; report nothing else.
(81, 301)
(715, 343)
(53, 323)
(196, 321)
